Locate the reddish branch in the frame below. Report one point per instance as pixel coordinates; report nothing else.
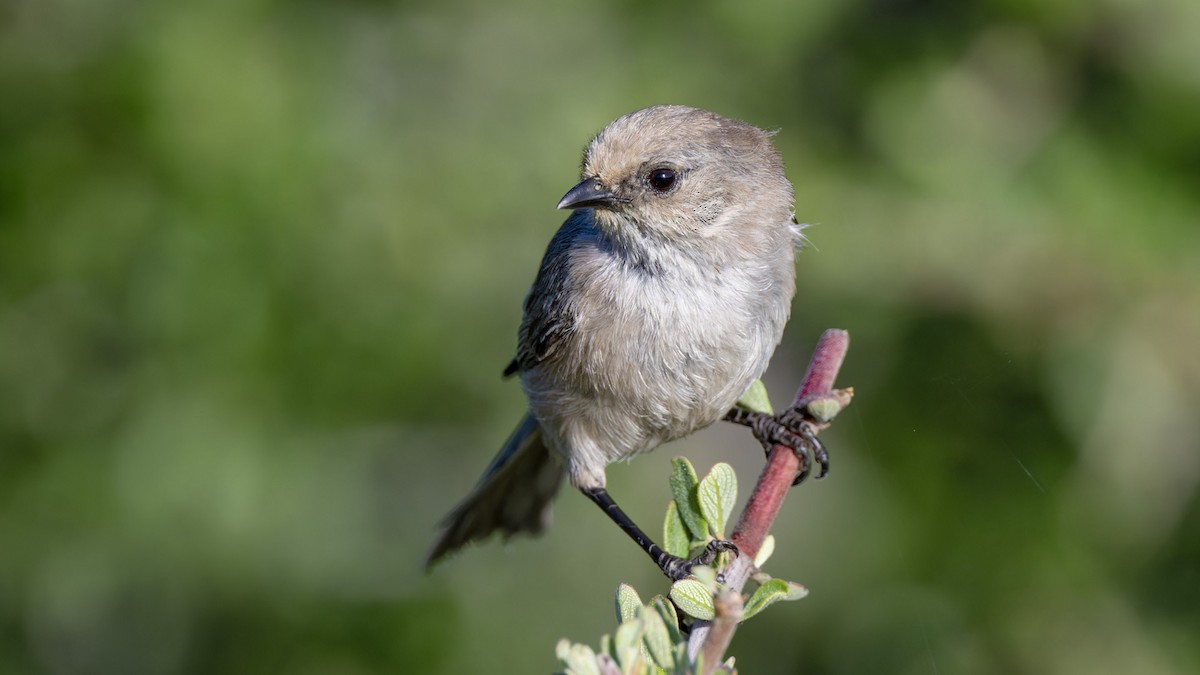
(773, 485)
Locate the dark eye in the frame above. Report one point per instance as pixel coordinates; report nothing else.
(661, 180)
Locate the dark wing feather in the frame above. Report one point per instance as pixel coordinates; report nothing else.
(549, 317)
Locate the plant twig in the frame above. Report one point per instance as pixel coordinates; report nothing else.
(728, 609)
(773, 485)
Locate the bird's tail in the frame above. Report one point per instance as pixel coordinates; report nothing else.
(513, 496)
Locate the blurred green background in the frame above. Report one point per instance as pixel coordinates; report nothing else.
(261, 264)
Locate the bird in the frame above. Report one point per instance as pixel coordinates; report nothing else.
(658, 303)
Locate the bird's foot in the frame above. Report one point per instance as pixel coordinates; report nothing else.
(795, 428)
(677, 568)
(802, 426)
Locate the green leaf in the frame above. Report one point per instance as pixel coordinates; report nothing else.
(717, 494)
(663, 607)
(770, 593)
(796, 591)
(756, 399)
(765, 551)
(764, 596)
(824, 409)
(676, 538)
(580, 659)
(657, 639)
(706, 575)
(627, 643)
(694, 598)
(683, 489)
(628, 603)
(681, 660)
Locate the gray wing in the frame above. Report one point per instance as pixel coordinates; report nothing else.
(549, 314)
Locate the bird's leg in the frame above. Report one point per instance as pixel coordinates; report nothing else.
(673, 566)
(793, 428)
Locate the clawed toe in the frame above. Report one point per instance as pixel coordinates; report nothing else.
(713, 549)
(677, 568)
(794, 428)
(808, 448)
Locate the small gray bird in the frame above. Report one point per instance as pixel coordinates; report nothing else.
(658, 303)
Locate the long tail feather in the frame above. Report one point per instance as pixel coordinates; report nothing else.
(514, 495)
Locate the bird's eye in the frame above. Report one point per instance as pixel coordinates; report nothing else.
(661, 180)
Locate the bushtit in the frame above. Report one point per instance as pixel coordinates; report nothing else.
(658, 303)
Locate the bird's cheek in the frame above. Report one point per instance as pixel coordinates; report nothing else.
(611, 221)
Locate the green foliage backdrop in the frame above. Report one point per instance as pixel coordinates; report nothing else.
(261, 264)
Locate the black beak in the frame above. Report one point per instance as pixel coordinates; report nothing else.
(590, 192)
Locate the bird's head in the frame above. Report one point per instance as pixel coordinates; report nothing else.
(680, 173)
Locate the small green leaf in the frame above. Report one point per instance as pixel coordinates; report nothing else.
(606, 646)
(676, 538)
(694, 598)
(683, 489)
(581, 660)
(627, 643)
(663, 607)
(657, 639)
(825, 408)
(756, 399)
(770, 593)
(681, 660)
(765, 551)
(764, 596)
(705, 575)
(717, 494)
(628, 603)
(796, 591)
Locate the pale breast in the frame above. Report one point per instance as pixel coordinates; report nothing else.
(675, 347)
(653, 352)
